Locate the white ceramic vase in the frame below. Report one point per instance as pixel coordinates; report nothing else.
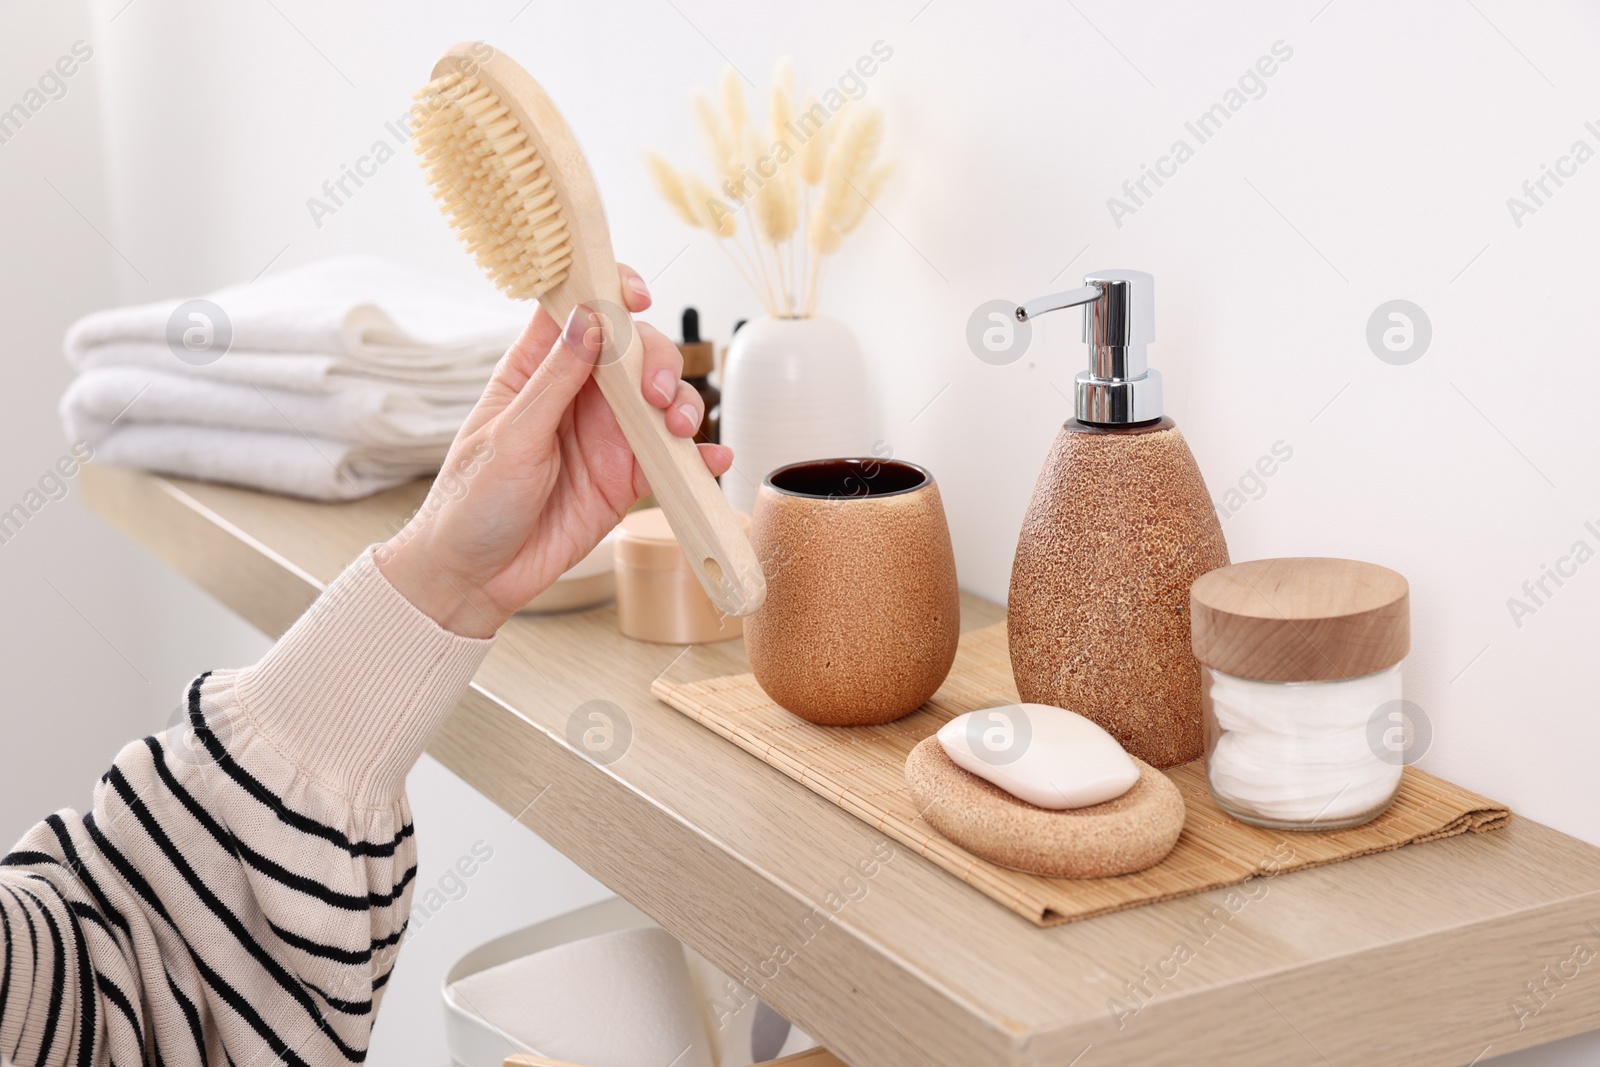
(792, 389)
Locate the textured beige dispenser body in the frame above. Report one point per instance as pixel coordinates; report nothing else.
(1120, 526)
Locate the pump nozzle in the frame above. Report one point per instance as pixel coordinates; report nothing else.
(1119, 322)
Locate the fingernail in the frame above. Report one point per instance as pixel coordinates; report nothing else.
(692, 413)
(638, 287)
(666, 384)
(575, 329)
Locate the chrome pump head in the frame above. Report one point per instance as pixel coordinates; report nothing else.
(1119, 322)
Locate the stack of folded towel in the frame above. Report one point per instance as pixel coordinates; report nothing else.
(341, 378)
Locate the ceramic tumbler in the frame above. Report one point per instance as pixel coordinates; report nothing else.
(863, 612)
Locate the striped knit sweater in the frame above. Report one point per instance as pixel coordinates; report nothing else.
(239, 891)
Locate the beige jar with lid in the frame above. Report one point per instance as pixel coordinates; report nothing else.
(1300, 688)
(659, 599)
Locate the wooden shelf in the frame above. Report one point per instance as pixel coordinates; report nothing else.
(1415, 957)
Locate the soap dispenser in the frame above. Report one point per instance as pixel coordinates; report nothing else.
(1120, 526)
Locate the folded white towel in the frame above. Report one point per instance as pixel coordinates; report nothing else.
(341, 378)
(359, 412)
(288, 463)
(371, 315)
(458, 382)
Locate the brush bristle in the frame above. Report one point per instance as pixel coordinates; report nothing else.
(492, 186)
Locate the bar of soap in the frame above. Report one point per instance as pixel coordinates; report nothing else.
(1048, 756)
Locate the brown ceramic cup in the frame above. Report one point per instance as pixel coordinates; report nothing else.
(862, 612)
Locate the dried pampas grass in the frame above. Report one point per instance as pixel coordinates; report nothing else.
(809, 179)
(670, 185)
(814, 154)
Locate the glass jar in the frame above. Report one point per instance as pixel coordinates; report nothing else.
(1301, 669)
(1299, 755)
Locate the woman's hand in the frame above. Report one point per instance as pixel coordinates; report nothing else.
(537, 475)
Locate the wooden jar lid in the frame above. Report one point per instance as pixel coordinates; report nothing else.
(1300, 619)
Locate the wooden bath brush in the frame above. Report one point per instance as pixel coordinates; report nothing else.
(513, 182)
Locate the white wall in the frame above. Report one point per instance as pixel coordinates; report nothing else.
(85, 670)
(1375, 166)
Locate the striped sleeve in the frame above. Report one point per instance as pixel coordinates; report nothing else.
(239, 891)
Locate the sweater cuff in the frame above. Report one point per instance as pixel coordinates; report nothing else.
(355, 690)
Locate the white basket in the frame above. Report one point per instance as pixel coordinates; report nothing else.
(473, 1042)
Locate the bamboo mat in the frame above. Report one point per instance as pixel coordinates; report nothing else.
(861, 770)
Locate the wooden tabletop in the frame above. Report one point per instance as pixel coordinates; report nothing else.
(1435, 954)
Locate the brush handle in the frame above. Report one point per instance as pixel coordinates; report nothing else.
(718, 551)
